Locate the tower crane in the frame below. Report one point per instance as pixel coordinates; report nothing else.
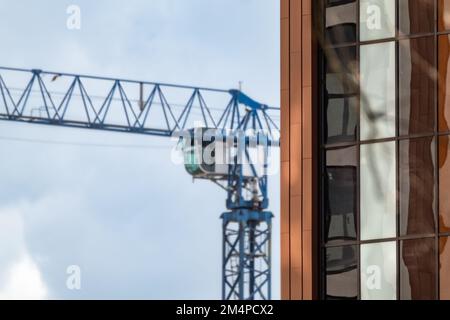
(235, 131)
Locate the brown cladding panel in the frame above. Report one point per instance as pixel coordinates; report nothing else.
(295, 88)
(295, 175)
(307, 50)
(297, 128)
(295, 22)
(285, 129)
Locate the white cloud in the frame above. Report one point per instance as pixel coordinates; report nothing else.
(20, 275)
(24, 281)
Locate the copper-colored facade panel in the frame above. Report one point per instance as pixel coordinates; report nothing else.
(285, 267)
(307, 119)
(297, 279)
(306, 7)
(295, 22)
(284, 220)
(284, 54)
(295, 231)
(284, 156)
(307, 204)
(295, 157)
(307, 265)
(298, 251)
(284, 9)
(296, 85)
(307, 50)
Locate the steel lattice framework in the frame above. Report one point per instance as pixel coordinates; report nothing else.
(81, 101)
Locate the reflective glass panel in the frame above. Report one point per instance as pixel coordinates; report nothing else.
(378, 271)
(416, 16)
(341, 273)
(417, 186)
(444, 82)
(377, 69)
(444, 183)
(378, 191)
(443, 15)
(417, 86)
(418, 269)
(444, 268)
(340, 194)
(341, 95)
(377, 19)
(340, 21)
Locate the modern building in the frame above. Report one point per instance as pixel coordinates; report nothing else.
(365, 172)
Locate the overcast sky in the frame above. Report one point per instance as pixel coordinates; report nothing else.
(131, 219)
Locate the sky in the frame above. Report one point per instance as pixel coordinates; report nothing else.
(131, 219)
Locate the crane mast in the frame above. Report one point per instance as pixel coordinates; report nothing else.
(241, 125)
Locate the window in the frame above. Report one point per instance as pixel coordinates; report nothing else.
(416, 16)
(417, 86)
(443, 15)
(341, 95)
(378, 271)
(377, 76)
(341, 21)
(444, 184)
(444, 83)
(378, 203)
(341, 193)
(444, 268)
(418, 269)
(377, 19)
(417, 186)
(341, 273)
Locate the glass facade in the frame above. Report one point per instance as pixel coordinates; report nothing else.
(385, 149)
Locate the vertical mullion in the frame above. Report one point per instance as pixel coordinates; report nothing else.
(397, 148)
(436, 148)
(322, 251)
(358, 156)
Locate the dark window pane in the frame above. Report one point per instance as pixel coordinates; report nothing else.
(341, 273)
(444, 184)
(416, 16)
(444, 15)
(418, 269)
(417, 85)
(444, 268)
(340, 194)
(340, 21)
(340, 96)
(444, 82)
(417, 186)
